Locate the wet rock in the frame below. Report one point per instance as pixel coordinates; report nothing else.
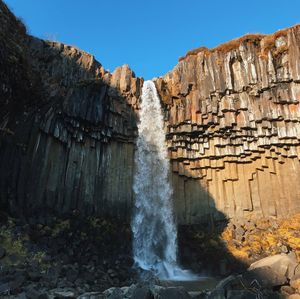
(128, 291)
(173, 292)
(217, 294)
(92, 295)
(113, 293)
(142, 293)
(229, 283)
(61, 293)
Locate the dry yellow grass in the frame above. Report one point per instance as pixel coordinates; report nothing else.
(265, 43)
(296, 285)
(266, 239)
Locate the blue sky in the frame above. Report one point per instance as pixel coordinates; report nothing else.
(150, 35)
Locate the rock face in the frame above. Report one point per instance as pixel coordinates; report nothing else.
(68, 128)
(232, 116)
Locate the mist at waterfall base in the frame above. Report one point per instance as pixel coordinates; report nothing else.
(153, 226)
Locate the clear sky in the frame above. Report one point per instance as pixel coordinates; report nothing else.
(150, 35)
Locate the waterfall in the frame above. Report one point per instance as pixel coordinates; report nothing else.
(153, 226)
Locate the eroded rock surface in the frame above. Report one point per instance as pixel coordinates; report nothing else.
(68, 128)
(232, 116)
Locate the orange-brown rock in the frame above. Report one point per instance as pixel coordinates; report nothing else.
(233, 128)
(68, 128)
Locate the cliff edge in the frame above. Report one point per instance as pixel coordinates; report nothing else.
(68, 128)
(233, 126)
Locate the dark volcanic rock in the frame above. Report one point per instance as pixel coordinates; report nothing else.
(173, 292)
(272, 271)
(141, 293)
(2, 252)
(33, 293)
(231, 116)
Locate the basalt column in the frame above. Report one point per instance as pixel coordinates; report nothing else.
(233, 128)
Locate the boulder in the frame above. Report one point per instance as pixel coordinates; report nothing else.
(230, 282)
(173, 292)
(217, 294)
(271, 271)
(231, 287)
(61, 294)
(128, 291)
(241, 294)
(91, 295)
(113, 293)
(141, 293)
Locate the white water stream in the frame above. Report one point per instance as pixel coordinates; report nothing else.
(153, 226)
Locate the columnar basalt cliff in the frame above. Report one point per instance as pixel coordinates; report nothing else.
(233, 127)
(68, 128)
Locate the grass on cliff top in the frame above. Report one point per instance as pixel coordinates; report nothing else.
(267, 45)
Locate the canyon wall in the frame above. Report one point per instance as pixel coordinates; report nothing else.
(233, 128)
(68, 128)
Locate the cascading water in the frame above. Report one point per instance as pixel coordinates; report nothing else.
(154, 230)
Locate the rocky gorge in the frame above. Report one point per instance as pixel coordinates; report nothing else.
(68, 130)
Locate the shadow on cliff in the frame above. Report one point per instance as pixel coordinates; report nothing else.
(201, 246)
(55, 161)
(33, 186)
(30, 199)
(55, 179)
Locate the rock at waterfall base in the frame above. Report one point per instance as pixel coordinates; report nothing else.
(272, 271)
(141, 293)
